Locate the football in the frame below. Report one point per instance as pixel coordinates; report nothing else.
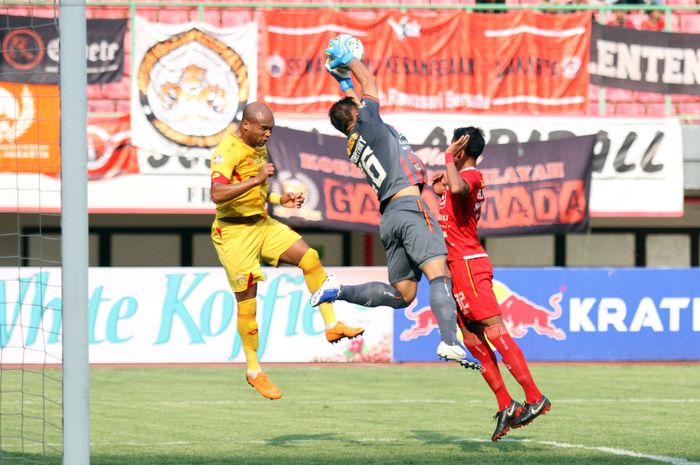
(355, 46)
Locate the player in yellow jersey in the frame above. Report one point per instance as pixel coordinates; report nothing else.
(243, 233)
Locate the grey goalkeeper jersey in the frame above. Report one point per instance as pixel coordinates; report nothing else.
(383, 154)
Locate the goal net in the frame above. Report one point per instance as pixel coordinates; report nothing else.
(30, 239)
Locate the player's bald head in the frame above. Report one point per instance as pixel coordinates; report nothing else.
(257, 112)
(256, 124)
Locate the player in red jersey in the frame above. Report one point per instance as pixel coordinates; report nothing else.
(461, 191)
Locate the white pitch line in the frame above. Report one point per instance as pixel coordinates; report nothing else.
(611, 450)
(562, 445)
(422, 401)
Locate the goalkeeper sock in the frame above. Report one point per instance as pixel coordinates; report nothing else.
(314, 275)
(444, 308)
(514, 360)
(248, 330)
(373, 294)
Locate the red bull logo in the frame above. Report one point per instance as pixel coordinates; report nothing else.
(520, 314)
(423, 322)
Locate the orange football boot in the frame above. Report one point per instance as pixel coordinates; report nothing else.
(264, 386)
(341, 330)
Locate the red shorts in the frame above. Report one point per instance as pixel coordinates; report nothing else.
(472, 286)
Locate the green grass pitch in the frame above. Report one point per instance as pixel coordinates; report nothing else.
(379, 414)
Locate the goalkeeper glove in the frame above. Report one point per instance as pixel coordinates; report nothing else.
(339, 52)
(343, 77)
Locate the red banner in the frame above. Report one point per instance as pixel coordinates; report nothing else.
(513, 62)
(110, 152)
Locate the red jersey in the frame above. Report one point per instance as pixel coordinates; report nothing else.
(458, 216)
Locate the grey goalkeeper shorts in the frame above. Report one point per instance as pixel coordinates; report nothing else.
(411, 237)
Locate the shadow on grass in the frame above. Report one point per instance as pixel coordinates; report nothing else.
(425, 447)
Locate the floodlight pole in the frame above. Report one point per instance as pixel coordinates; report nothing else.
(74, 233)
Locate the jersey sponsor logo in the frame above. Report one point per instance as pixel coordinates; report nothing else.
(193, 103)
(406, 146)
(241, 280)
(218, 159)
(355, 146)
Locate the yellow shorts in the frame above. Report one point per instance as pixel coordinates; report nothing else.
(241, 247)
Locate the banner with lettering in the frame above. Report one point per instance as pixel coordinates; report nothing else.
(650, 61)
(519, 61)
(570, 314)
(188, 315)
(191, 83)
(30, 49)
(337, 193)
(637, 162)
(536, 187)
(30, 131)
(184, 315)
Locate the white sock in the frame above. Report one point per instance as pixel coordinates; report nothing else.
(253, 373)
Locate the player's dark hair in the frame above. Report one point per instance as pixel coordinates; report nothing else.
(341, 113)
(476, 140)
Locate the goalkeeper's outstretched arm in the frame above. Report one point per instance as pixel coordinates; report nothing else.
(365, 78)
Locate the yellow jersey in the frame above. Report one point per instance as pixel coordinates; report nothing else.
(233, 161)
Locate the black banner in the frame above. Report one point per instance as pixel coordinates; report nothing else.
(30, 50)
(338, 196)
(537, 187)
(532, 188)
(664, 62)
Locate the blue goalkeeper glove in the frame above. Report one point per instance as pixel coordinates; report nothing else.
(343, 77)
(339, 53)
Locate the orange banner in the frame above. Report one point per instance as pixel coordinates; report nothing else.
(29, 128)
(513, 62)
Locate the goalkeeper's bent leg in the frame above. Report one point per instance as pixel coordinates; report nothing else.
(373, 294)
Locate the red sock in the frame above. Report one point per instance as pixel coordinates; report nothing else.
(489, 369)
(514, 360)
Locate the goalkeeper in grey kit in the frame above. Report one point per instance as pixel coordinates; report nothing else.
(412, 238)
